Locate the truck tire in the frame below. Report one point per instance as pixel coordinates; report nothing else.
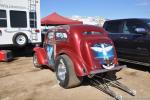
(65, 72)
(20, 39)
(35, 61)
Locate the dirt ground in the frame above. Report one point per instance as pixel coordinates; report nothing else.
(19, 80)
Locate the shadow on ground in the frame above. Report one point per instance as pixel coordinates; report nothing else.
(26, 51)
(23, 52)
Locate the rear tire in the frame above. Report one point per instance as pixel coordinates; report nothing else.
(20, 39)
(65, 72)
(35, 61)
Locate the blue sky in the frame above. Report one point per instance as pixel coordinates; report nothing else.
(110, 9)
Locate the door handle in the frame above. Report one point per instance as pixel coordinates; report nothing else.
(123, 37)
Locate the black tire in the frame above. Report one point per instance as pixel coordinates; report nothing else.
(20, 39)
(35, 61)
(71, 80)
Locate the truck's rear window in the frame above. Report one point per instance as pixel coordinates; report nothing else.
(92, 33)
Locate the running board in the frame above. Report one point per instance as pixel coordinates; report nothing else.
(103, 83)
(134, 62)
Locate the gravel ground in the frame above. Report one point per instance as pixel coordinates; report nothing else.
(19, 80)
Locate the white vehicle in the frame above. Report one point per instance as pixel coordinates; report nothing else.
(19, 22)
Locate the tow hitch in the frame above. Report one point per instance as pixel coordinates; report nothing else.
(103, 83)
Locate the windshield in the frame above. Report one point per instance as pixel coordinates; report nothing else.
(147, 21)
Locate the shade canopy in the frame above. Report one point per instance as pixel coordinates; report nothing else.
(56, 19)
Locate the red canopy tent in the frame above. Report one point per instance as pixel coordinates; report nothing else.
(56, 19)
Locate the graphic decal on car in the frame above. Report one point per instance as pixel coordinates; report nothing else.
(104, 52)
(50, 51)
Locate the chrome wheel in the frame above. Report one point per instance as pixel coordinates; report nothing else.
(65, 72)
(62, 70)
(35, 61)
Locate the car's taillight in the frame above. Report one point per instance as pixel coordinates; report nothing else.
(37, 30)
(116, 61)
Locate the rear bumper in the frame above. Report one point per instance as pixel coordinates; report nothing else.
(116, 68)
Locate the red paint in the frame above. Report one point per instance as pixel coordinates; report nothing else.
(41, 55)
(2, 55)
(37, 30)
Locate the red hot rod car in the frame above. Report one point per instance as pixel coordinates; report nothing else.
(74, 51)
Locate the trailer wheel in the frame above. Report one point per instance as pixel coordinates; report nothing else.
(65, 72)
(20, 39)
(35, 61)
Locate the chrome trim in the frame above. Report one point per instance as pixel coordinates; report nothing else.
(62, 70)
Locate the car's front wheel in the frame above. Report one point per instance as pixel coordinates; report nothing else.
(35, 61)
(65, 72)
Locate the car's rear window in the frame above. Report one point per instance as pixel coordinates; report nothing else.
(92, 33)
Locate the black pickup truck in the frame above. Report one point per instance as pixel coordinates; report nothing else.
(131, 38)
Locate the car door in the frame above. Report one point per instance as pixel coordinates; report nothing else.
(49, 47)
(133, 43)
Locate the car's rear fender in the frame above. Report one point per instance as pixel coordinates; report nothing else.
(41, 55)
(79, 65)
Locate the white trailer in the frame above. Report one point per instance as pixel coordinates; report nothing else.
(19, 22)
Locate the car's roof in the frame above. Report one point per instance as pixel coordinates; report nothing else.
(128, 19)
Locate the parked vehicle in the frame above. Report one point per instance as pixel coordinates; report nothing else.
(75, 51)
(19, 22)
(131, 38)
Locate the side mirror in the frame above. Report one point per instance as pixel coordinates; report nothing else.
(141, 30)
